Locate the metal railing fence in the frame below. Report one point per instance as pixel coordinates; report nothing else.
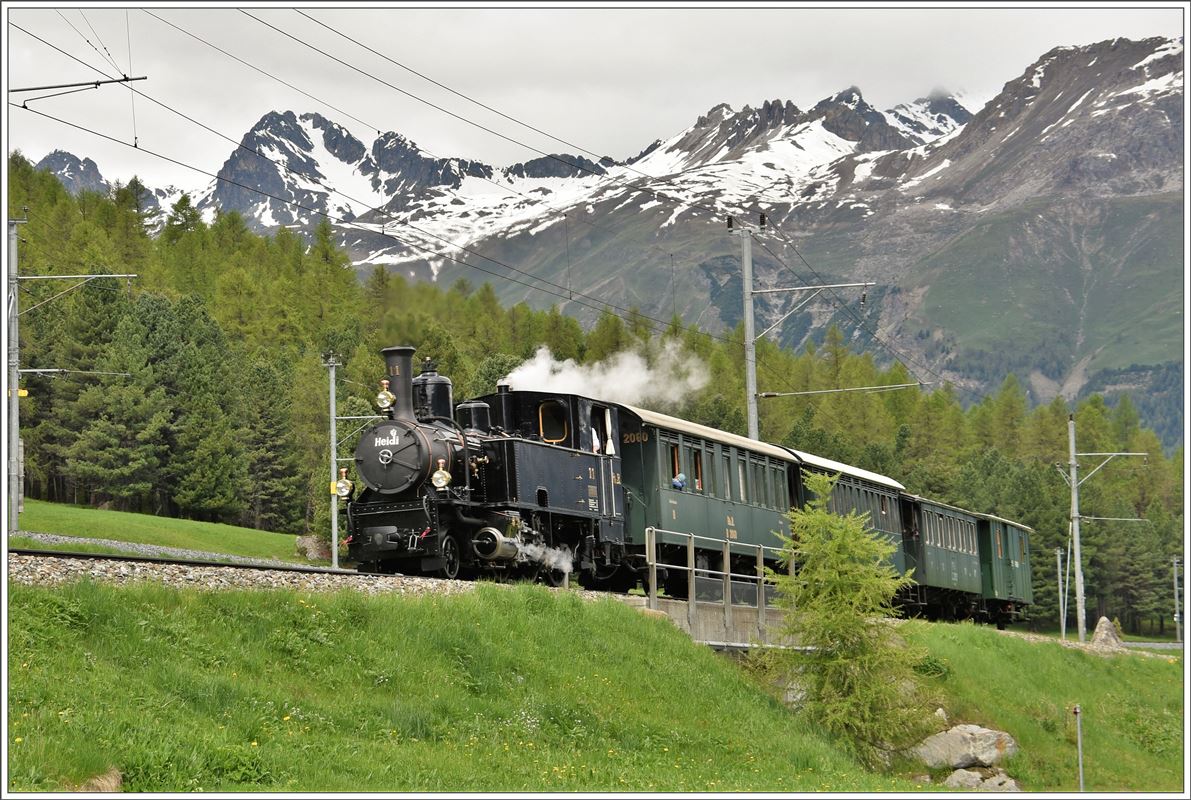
(726, 575)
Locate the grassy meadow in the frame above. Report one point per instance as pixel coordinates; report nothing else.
(68, 520)
(507, 689)
(1131, 707)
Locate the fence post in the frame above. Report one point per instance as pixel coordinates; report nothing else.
(690, 582)
(727, 568)
(1079, 744)
(652, 560)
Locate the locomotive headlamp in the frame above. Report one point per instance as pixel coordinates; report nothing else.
(343, 487)
(385, 399)
(441, 478)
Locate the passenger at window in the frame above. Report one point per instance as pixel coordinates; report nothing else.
(679, 481)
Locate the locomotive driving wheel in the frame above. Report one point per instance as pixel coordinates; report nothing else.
(451, 558)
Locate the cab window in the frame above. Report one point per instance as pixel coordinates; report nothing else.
(552, 421)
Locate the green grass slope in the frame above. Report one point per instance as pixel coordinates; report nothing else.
(1035, 280)
(1131, 707)
(67, 520)
(504, 689)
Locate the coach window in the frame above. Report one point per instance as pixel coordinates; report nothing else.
(697, 465)
(742, 474)
(999, 554)
(675, 465)
(552, 421)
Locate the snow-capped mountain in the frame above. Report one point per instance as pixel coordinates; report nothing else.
(988, 230)
(77, 175)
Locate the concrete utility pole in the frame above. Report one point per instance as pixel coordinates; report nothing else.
(1062, 611)
(1081, 622)
(750, 336)
(331, 362)
(14, 375)
(15, 458)
(750, 341)
(1074, 482)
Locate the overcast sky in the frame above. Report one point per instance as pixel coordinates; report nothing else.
(609, 80)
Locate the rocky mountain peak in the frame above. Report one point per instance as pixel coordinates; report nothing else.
(76, 174)
(281, 125)
(556, 166)
(338, 141)
(715, 116)
(847, 115)
(1101, 118)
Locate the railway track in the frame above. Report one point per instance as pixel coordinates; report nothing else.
(37, 567)
(183, 562)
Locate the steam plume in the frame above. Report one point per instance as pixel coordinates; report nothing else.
(554, 558)
(622, 378)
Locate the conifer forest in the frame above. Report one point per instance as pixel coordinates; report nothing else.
(217, 406)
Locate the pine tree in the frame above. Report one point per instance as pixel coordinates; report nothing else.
(275, 490)
(120, 452)
(857, 674)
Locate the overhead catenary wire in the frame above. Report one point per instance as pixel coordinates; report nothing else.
(655, 324)
(131, 95)
(897, 355)
(98, 39)
(561, 294)
(570, 295)
(407, 244)
(83, 36)
(711, 210)
(504, 187)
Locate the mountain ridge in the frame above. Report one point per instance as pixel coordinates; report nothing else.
(1054, 189)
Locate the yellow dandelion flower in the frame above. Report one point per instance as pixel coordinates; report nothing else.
(254, 744)
(18, 740)
(285, 718)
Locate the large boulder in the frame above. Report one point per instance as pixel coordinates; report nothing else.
(966, 746)
(313, 548)
(999, 782)
(1106, 636)
(982, 779)
(964, 779)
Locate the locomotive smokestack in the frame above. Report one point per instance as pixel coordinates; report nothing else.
(399, 363)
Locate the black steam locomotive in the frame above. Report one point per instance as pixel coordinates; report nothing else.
(536, 485)
(454, 491)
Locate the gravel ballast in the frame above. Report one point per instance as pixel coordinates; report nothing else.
(55, 571)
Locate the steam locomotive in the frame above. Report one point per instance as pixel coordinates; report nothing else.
(536, 485)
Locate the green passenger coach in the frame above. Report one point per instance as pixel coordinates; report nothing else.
(687, 478)
(941, 541)
(863, 492)
(1005, 561)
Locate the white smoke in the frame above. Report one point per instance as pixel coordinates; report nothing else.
(622, 378)
(554, 558)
